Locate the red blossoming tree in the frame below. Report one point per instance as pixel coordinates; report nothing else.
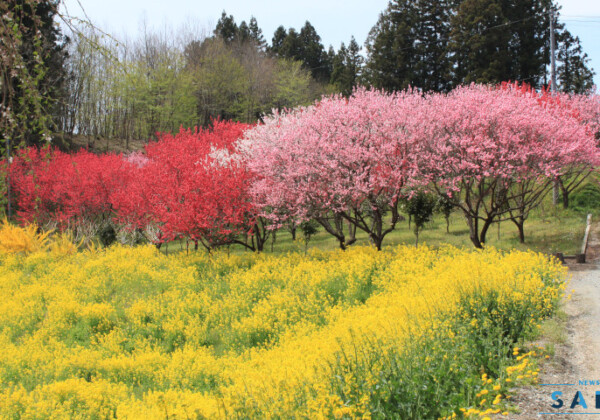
(190, 185)
(67, 190)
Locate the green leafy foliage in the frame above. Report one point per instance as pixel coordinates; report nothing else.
(586, 199)
(32, 55)
(420, 208)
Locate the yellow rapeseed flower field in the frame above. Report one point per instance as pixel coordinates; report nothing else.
(131, 333)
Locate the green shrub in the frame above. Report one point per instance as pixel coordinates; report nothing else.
(586, 199)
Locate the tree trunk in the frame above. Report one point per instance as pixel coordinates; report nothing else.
(521, 228)
(520, 224)
(486, 225)
(351, 233)
(474, 231)
(260, 245)
(564, 193)
(447, 225)
(261, 235)
(377, 241)
(337, 232)
(416, 237)
(273, 238)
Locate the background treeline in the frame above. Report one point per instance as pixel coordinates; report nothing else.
(160, 81)
(163, 80)
(437, 45)
(90, 89)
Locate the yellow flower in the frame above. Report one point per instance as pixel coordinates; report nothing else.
(132, 333)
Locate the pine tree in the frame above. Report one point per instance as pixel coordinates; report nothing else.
(346, 68)
(499, 40)
(313, 53)
(355, 60)
(243, 33)
(291, 47)
(391, 47)
(528, 23)
(305, 47)
(278, 39)
(479, 44)
(436, 45)
(573, 71)
(432, 67)
(226, 28)
(408, 46)
(256, 34)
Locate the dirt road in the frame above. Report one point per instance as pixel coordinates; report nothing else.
(577, 356)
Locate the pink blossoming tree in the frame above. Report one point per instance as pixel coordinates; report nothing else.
(494, 151)
(339, 161)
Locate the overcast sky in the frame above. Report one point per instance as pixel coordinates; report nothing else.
(335, 20)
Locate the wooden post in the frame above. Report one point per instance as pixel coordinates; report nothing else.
(586, 237)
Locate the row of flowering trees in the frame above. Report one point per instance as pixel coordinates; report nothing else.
(347, 163)
(492, 150)
(190, 185)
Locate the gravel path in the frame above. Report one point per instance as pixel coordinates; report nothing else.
(578, 359)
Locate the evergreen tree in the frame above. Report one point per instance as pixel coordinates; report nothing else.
(305, 47)
(313, 53)
(480, 42)
(278, 39)
(436, 45)
(408, 46)
(355, 60)
(226, 28)
(432, 67)
(528, 24)
(243, 33)
(499, 40)
(573, 72)
(256, 34)
(390, 47)
(346, 67)
(291, 46)
(338, 70)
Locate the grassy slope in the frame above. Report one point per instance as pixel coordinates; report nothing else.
(548, 229)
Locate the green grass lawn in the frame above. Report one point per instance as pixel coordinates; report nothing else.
(548, 229)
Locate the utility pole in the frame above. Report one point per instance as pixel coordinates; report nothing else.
(552, 52)
(553, 85)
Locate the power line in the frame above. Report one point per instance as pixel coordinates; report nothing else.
(582, 16)
(502, 25)
(581, 20)
(476, 33)
(585, 24)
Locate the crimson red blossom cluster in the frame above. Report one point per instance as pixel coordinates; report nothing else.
(348, 163)
(188, 185)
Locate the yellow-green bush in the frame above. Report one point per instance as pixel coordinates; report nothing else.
(14, 239)
(132, 333)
